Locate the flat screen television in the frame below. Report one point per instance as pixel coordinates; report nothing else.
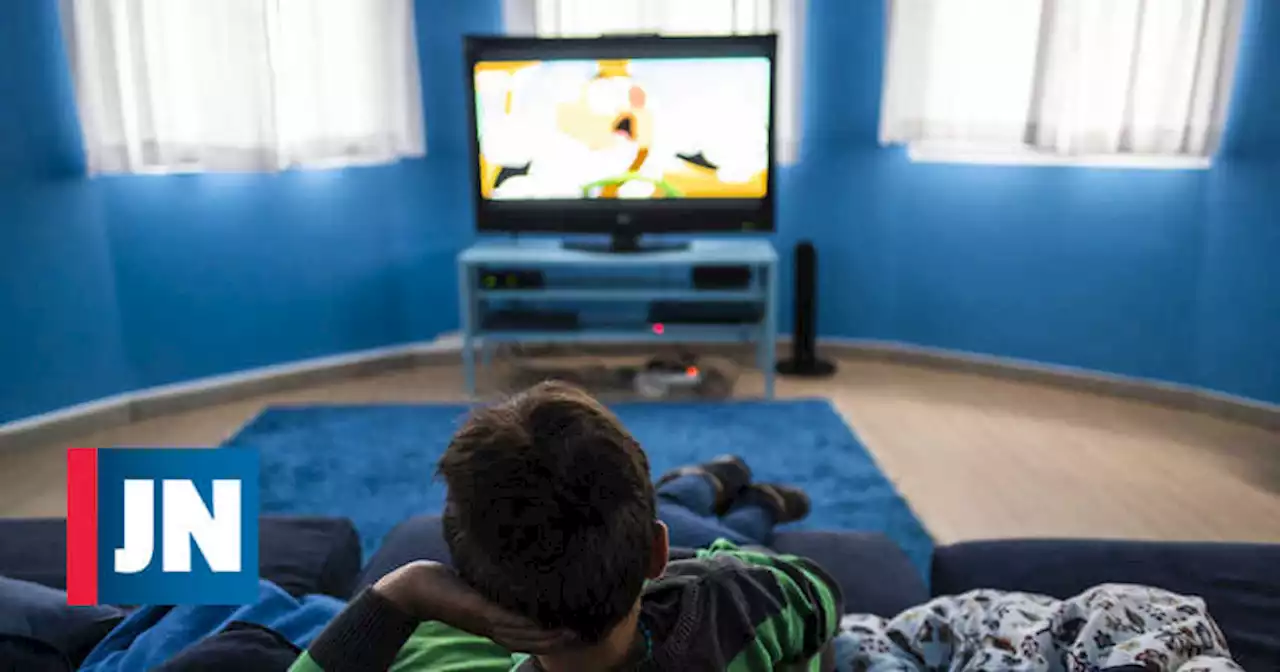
(622, 135)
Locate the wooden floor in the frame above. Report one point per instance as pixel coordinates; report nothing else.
(976, 457)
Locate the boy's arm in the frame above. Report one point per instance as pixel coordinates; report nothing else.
(370, 633)
(804, 603)
(367, 635)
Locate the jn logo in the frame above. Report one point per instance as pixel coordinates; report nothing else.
(162, 526)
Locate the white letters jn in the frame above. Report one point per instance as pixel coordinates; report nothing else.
(186, 519)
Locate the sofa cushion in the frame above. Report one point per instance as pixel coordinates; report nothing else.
(875, 576)
(300, 554)
(1240, 583)
(417, 538)
(39, 629)
(309, 555)
(239, 646)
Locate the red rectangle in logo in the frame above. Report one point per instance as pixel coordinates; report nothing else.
(82, 526)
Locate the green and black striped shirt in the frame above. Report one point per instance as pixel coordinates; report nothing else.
(726, 609)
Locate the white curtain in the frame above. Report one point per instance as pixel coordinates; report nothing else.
(1065, 77)
(244, 85)
(589, 18)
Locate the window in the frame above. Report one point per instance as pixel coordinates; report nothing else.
(244, 85)
(589, 18)
(1059, 81)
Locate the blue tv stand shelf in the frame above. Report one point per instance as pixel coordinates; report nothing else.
(594, 280)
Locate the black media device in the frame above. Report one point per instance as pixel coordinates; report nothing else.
(721, 277)
(503, 279)
(622, 136)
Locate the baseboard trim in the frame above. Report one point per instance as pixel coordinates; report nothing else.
(1159, 392)
(120, 409)
(65, 423)
(101, 414)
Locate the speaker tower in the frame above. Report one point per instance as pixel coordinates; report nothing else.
(804, 348)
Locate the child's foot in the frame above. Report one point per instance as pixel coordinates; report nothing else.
(787, 502)
(734, 475)
(729, 474)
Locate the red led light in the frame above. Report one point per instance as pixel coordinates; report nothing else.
(658, 328)
(691, 372)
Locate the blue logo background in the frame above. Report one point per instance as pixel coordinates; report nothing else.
(152, 585)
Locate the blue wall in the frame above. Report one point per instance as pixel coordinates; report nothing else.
(59, 325)
(1166, 275)
(113, 284)
(1238, 296)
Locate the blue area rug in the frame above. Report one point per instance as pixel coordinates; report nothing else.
(374, 464)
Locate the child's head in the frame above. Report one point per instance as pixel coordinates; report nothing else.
(550, 510)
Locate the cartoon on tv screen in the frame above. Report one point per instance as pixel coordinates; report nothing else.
(640, 128)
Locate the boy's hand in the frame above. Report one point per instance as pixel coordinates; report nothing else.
(430, 591)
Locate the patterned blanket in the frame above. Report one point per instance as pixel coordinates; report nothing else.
(1111, 628)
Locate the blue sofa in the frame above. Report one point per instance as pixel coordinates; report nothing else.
(1240, 582)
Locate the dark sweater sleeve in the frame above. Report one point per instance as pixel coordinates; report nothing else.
(790, 606)
(367, 635)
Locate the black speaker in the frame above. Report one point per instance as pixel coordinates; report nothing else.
(804, 348)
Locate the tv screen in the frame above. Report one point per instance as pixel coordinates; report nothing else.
(639, 134)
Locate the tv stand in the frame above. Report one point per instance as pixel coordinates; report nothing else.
(602, 289)
(624, 243)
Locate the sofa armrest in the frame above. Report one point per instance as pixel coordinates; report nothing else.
(1240, 583)
(300, 554)
(35, 550)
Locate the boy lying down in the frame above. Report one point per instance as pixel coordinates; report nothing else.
(552, 523)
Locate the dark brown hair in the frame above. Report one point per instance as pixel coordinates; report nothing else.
(550, 510)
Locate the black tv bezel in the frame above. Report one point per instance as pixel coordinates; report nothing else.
(622, 217)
